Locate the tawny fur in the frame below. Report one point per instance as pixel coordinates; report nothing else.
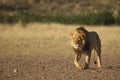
(84, 42)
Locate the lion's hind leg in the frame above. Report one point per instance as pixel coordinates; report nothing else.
(98, 50)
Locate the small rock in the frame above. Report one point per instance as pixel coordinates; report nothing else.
(43, 77)
(15, 71)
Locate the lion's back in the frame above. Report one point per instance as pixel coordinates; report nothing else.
(94, 39)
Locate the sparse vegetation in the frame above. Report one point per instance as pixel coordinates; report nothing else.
(99, 18)
(117, 19)
(100, 12)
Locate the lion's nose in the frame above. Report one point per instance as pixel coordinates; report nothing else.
(75, 46)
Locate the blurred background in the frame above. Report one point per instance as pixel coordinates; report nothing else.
(91, 12)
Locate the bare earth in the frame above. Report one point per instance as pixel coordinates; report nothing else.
(24, 57)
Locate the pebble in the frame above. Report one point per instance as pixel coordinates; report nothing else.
(15, 71)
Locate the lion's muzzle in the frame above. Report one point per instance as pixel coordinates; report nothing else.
(76, 46)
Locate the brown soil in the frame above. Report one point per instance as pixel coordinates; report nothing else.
(25, 60)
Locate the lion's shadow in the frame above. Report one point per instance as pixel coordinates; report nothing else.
(107, 67)
(112, 67)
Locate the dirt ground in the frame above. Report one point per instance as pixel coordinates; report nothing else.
(35, 59)
(30, 64)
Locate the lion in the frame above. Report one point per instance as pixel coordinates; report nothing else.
(83, 42)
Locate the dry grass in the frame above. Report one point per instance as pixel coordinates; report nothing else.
(33, 31)
(55, 31)
(55, 36)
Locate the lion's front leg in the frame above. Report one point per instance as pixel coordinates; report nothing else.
(88, 56)
(77, 58)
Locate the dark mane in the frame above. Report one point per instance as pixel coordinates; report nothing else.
(82, 29)
(87, 44)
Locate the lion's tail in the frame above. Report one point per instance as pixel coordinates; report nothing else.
(94, 58)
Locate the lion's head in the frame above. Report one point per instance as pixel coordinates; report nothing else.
(78, 38)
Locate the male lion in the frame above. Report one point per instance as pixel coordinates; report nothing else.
(84, 42)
